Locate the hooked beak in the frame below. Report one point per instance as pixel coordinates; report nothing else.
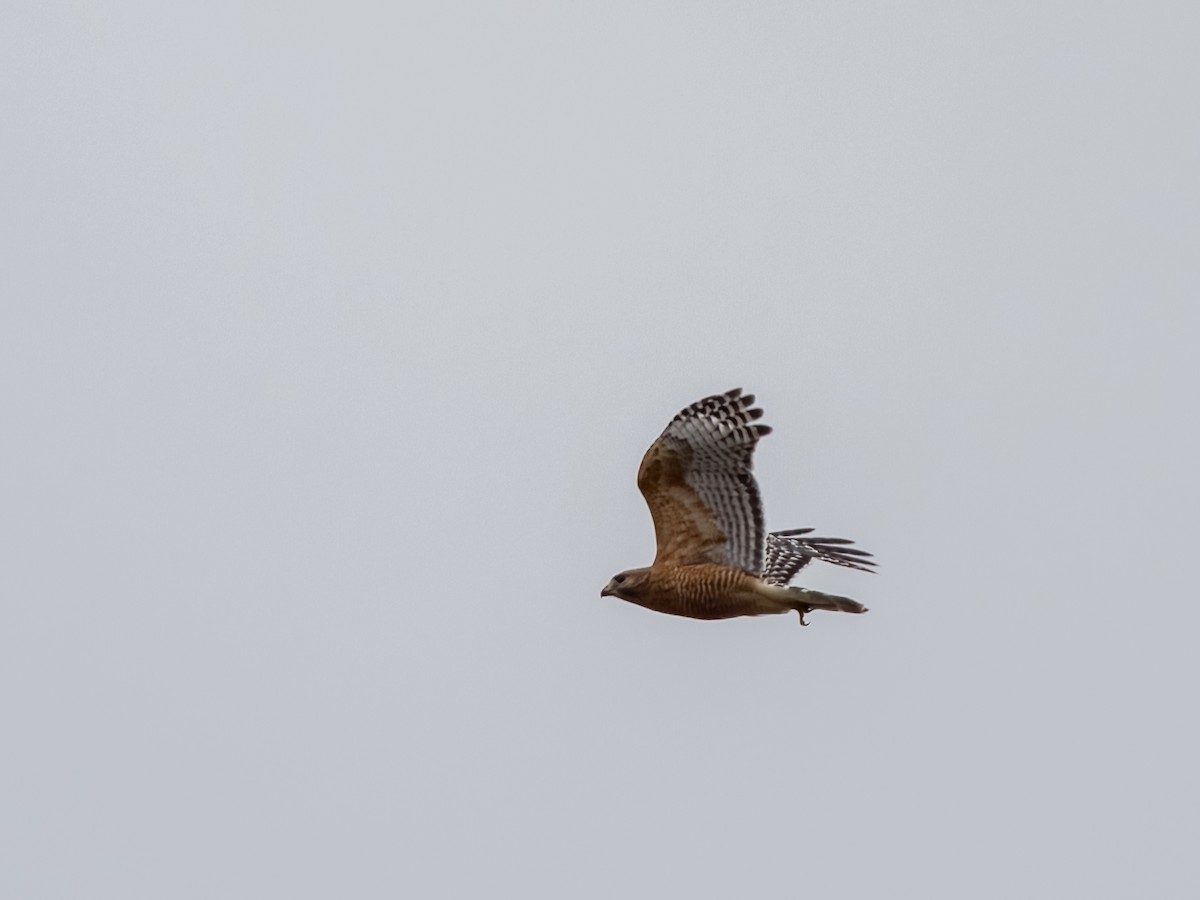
(608, 591)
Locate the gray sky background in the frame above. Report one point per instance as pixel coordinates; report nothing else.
(331, 342)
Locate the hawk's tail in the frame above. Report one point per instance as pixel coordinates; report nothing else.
(805, 601)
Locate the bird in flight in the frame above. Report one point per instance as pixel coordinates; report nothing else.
(714, 559)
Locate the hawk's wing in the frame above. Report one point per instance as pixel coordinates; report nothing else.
(696, 480)
(790, 551)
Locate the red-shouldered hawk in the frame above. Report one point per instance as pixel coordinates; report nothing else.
(714, 560)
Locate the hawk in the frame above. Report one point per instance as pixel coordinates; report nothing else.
(714, 560)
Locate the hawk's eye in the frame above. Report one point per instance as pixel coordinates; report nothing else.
(619, 579)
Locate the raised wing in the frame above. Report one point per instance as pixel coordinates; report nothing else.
(790, 551)
(696, 480)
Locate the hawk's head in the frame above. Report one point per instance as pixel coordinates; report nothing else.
(628, 585)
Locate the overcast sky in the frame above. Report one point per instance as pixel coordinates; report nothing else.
(332, 338)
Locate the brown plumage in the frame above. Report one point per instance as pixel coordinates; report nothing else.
(714, 560)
